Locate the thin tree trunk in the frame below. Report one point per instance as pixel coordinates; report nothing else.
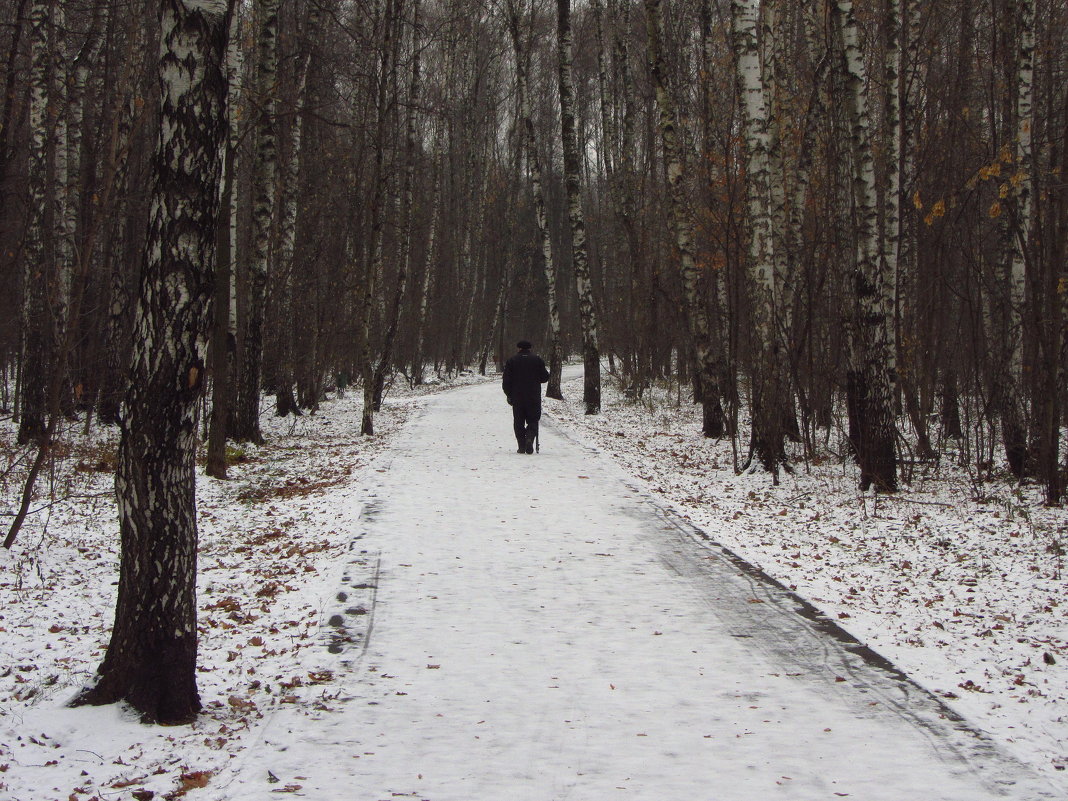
(552, 389)
(129, 144)
(7, 114)
(870, 381)
(224, 329)
(591, 357)
(768, 416)
(385, 358)
(65, 208)
(38, 256)
(903, 86)
(1014, 412)
(681, 222)
(373, 278)
(285, 400)
(627, 191)
(428, 270)
(264, 186)
(509, 255)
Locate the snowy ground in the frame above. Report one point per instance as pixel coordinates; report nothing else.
(965, 597)
(969, 597)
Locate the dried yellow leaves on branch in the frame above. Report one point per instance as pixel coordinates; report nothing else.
(937, 210)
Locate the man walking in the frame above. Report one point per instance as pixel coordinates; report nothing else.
(524, 374)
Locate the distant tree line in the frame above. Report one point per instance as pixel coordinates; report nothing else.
(817, 214)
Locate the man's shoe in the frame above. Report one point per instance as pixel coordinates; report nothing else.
(530, 444)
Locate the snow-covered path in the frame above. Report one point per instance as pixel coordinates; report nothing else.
(540, 630)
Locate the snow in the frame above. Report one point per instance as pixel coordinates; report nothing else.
(427, 614)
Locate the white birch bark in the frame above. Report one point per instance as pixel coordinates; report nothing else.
(1014, 414)
(236, 108)
(373, 275)
(538, 192)
(264, 189)
(36, 254)
(573, 184)
(872, 349)
(65, 200)
(681, 222)
(608, 127)
(428, 266)
(891, 235)
(151, 659)
(764, 270)
(772, 83)
(223, 348)
(289, 191)
(405, 201)
(127, 113)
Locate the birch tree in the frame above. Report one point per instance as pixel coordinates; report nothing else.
(767, 402)
(1013, 408)
(902, 72)
(418, 366)
(38, 259)
(530, 142)
(681, 226)
(384, 81)
(264, 189)
(591, 357)
(870, 383)
(289, 210)
(125, 159)
(224, 330)
(406, 203)
(151, 659)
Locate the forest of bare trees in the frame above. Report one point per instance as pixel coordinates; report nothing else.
(834, 225)
(817, 217)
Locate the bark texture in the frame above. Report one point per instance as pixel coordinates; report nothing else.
(151, 659)
(870, 381)
(681, 222)
(767, 401)
(591, 358)
(1013, 409)
(530, 141)
(264, 189)
(39, 256)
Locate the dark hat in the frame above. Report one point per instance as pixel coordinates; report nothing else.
(523, 345)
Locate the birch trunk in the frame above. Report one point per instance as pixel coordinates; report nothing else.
(264, 185)
(428, 271)
(1014, 412)
(681, 222)
(552, 390)
(509, 255)
(285, 400)
(65, 208)
(224, 327)
(385, 358)
(870, 381)
(151, 659)
(608, 126)
(768, 414)
(903, 86)
(18, 28)
(891, 235)
(37, 258)
(373, 278)
(627, 183)
(591, 358)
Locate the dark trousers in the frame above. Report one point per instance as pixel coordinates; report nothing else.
(525, 422)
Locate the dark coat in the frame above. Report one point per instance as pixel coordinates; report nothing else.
(524, 374)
